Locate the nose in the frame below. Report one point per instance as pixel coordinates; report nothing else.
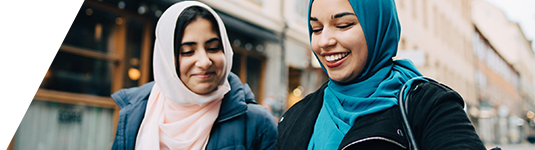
(203, 60)
(326, 40)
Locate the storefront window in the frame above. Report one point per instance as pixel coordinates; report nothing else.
(92, 29)
(134, 36)
(78, 74)
(249, 66)
(254, 68)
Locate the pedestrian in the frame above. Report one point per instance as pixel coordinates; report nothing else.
(355, 42)
(195, 101)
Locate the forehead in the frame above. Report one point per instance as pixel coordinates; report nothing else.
(199, 27)
(328, 8)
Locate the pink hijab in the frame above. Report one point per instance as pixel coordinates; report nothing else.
(177, 118)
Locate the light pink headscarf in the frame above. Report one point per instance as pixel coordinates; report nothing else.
(177, 118)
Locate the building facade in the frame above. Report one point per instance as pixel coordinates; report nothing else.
(485, 58)
(506, 38)
(436, 35)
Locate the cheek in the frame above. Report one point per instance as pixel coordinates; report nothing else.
(219, 60)
(362, 50)
(315, 47)
(355, 42)
(184, 64)
(314, 42)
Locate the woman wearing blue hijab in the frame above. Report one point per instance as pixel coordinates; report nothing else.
(355, 41)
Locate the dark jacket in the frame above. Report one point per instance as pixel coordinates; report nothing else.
(241, 124)
(437, 119)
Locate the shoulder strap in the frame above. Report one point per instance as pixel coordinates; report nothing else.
(403, 102)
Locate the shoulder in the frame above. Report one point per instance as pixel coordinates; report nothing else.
(262, 122)
(432, 98)
(433, 93)
(260, 114)
(436, 108)
(127, 96)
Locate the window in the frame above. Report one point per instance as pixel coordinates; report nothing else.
(85, 61)
(249, 66)
(134, 38)
(295, 88)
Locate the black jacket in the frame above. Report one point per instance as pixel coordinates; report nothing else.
(437, 120)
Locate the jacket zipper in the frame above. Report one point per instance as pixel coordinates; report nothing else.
(375, 138)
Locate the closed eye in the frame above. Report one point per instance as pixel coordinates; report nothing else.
(345, 25)
(316, 30)
(187, 53)
(214, 45)
(215, 49)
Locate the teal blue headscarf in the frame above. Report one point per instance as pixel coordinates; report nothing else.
(376, 88)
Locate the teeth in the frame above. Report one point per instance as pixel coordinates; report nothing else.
(335, 57)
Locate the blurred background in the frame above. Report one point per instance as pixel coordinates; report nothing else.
(480, 48)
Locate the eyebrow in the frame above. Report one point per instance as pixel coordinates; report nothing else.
(212, 40)
(194, 43)
(188, 43)
(339, 15)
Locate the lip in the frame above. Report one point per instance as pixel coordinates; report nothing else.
(332, 53)
(335, 63)
(204, 75)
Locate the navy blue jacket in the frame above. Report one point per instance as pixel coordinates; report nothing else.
(241, 124)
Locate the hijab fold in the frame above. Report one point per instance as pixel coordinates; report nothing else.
(176, 117)
(376, 88)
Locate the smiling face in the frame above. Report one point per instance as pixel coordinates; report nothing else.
(201, 59)
(338, 39)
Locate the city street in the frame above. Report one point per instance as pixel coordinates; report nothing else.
(518, 147)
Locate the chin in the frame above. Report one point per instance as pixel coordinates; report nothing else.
(337, 79)
(202, 89)
(340, 78)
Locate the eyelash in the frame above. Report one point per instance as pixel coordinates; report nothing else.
(217, 49)
(340, 27)
(345, 26)
(314, 31)
(186, 53)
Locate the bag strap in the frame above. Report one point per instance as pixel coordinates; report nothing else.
(403, 102)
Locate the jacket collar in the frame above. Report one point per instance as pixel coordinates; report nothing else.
(126, 97)
(235, 101)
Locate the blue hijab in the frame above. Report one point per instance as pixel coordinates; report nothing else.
(376, 88)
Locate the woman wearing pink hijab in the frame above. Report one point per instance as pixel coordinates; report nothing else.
(195, 101)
